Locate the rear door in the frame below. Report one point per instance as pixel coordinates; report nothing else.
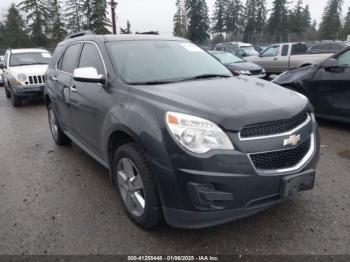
(85, 99)
(62, 78)
(329, 89)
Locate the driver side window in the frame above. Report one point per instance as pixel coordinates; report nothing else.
(344, 59)
(271, 51)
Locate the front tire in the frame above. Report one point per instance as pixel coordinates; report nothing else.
(58, 136)
(7, 92)
(136, 186)
(15, 99)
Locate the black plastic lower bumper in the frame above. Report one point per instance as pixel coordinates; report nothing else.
(289, 185)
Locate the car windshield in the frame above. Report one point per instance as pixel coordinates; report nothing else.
(250, 51)
(32, 58)
(228, 58)
(168, 61)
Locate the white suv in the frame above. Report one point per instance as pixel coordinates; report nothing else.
(24, 73)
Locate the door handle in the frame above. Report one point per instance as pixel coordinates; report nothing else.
(54, 78)
(73, 89)
(275, 58)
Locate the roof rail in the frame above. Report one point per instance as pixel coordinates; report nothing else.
(77, 34)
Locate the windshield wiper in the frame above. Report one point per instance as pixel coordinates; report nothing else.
(149, 83)
(205, 76)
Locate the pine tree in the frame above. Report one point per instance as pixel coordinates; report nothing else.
(57, 28)
(346, 29)
(37, 14)
(74, 15)
(307, 16)
(218, 18)
(180, 19)
(198, 20)
(95, 12)
(330, 27)
(14, 29)
(233, 17)
(255, 20)
(278, 24)
(297, 20)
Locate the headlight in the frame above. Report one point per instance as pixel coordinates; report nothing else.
(196, 134)
(22, 77)
(244, 72)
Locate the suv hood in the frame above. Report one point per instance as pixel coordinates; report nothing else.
(230, 102)
(29, 70)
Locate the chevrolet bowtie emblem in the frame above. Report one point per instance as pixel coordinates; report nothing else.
(292, 140)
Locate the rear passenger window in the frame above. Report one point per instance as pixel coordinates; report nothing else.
(285, 49)
(90, 57)
(69, 60)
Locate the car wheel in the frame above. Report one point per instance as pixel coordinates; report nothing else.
(136, 186)
(15, 99)
(58, 136)
(7, 92)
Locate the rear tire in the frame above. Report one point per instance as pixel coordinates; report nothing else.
(58, 136)
(136, 186)
(15, 99)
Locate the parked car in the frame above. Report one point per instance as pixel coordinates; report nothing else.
(327, 47)
(184, 140)
(326, 85)
(239, 66)
(282, 57)
(24, 73)
(237, 48)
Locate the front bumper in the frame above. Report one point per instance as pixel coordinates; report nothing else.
(29, 90)
(222, 187)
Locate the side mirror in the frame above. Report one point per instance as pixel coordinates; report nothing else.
(260, 54)
(2, 66)
(88, 75)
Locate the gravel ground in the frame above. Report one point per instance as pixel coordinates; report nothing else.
(57, 200)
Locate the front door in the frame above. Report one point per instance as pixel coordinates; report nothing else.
(329, 89)
(85, 100)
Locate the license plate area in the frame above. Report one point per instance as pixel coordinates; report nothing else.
(296, 183)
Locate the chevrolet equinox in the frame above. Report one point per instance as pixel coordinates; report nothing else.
(182, 138)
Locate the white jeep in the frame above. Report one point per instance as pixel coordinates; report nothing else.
(24, 73)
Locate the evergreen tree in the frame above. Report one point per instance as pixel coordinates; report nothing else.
(198, 20)
(255, 20)
(233, 17)
(15, 35)
(278, 24)
(74, 15)
(307, 16)
(180, 19)
(95, 12)
(311, 33)
(346, 29)
(57, 28)
(330, 27)
(297, 20)
(218, 18)
(37, 15)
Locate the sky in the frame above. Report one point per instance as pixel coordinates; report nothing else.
(146, 15)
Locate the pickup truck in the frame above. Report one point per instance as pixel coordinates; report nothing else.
(279, 58)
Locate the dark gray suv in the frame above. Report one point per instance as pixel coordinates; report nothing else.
(182, 138)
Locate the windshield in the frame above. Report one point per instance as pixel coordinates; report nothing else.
(228, 58)
(151, 61)
(30, 58)
(250, 51)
